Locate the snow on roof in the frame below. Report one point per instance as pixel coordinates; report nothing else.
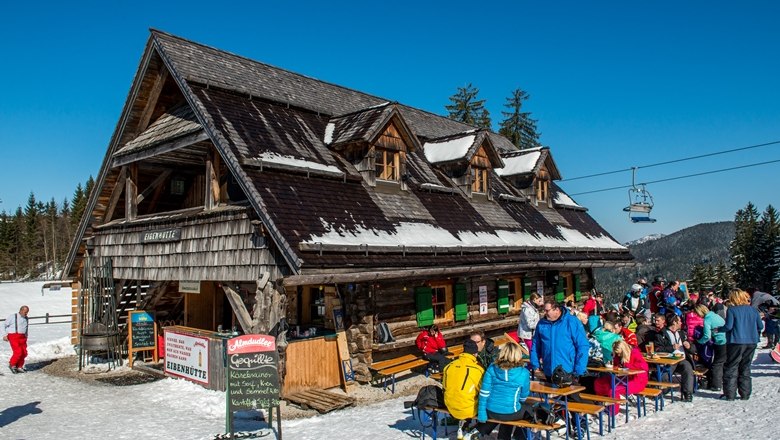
(521, 164)
(297, 163)
(329, 133)
(425, 234)
(448, 150)
(563, 199)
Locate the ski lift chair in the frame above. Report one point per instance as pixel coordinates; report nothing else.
(640, 204)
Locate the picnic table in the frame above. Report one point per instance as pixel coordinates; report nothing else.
(619, 376)
(553, 394)
(663, 363)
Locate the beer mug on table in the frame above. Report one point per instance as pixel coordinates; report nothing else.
(650, 348)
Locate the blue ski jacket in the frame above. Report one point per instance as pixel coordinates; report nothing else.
(503, 391)
(743, 325)
(562, 342)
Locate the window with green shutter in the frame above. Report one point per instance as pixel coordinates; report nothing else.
(528, 286)
(577, 292)
(423, 299)
(502, 302)
(560, 290)
(461, 302)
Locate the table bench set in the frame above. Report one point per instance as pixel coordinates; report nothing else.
(593, 405)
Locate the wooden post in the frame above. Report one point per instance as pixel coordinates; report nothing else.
(131, 190)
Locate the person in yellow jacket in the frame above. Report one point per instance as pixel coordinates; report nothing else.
(461, 379)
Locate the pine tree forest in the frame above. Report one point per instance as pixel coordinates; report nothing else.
(35, 239)
(755, 249)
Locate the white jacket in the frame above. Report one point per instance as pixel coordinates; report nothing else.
(529, 317)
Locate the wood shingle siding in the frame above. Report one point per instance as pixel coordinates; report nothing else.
(217, 246)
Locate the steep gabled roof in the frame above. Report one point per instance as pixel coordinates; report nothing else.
(461, 147)
(366, 126)
(528, 161)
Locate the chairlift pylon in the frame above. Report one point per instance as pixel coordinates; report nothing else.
(640, 202)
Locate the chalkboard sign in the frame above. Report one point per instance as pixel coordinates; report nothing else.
(142, 333)
(252, 373)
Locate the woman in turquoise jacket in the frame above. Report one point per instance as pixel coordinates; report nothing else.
(713, 322)
(505, 386)
(607, 337)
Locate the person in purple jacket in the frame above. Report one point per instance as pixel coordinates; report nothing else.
(743, 329)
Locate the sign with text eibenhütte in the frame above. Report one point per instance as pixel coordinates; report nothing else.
(252, 373)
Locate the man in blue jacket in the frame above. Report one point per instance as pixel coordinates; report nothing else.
(560, 340)
(557, 333)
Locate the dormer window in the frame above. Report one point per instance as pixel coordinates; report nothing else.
(479, 180)
(542, 186)
(480, 172)
(388, 164)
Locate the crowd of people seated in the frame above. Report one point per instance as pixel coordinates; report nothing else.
(719, 334)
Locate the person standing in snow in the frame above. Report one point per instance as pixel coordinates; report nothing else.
(529, 317)
(743, 329)
(15, 332)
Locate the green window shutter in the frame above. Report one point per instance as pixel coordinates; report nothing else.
(503, 296)
(461, 302)
(528, 285)
(423, 299)
(577, 292)
(560, 291)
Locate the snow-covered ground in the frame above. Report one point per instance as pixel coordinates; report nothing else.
(36, 405)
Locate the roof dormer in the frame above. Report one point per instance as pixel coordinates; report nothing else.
(467, 158)
(376, 141)
(531, 171)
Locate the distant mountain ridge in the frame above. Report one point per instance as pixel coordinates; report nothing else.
(644, 239)
(671, 256)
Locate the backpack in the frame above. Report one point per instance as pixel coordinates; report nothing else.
(429, 396)
(539, 412)
(384, 335)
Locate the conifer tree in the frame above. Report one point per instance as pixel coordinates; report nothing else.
(767, 241)
(484, 120)
(518, 126)
(724, 281)
(466, 108)
(744, 247)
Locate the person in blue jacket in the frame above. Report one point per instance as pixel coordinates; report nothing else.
(743, 329)
(505, 386)
(560, 341)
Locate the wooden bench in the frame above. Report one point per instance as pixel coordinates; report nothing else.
(524, 424)
(654, 393)
(605, 401)
(664, 387)
(588, 409)
(387, 370)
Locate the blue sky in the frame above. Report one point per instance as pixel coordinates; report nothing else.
(613, 84)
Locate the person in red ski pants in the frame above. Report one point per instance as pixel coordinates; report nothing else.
(15, 332)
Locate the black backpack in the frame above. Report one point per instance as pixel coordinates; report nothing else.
(383, 333)
(429, 396)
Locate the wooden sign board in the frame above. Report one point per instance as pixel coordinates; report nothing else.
(252, 373)
(252, 376)
(141, 334)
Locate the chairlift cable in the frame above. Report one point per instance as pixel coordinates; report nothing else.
(678, 177)
(671, 161)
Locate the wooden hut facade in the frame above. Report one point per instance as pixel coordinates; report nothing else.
(296, 204)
